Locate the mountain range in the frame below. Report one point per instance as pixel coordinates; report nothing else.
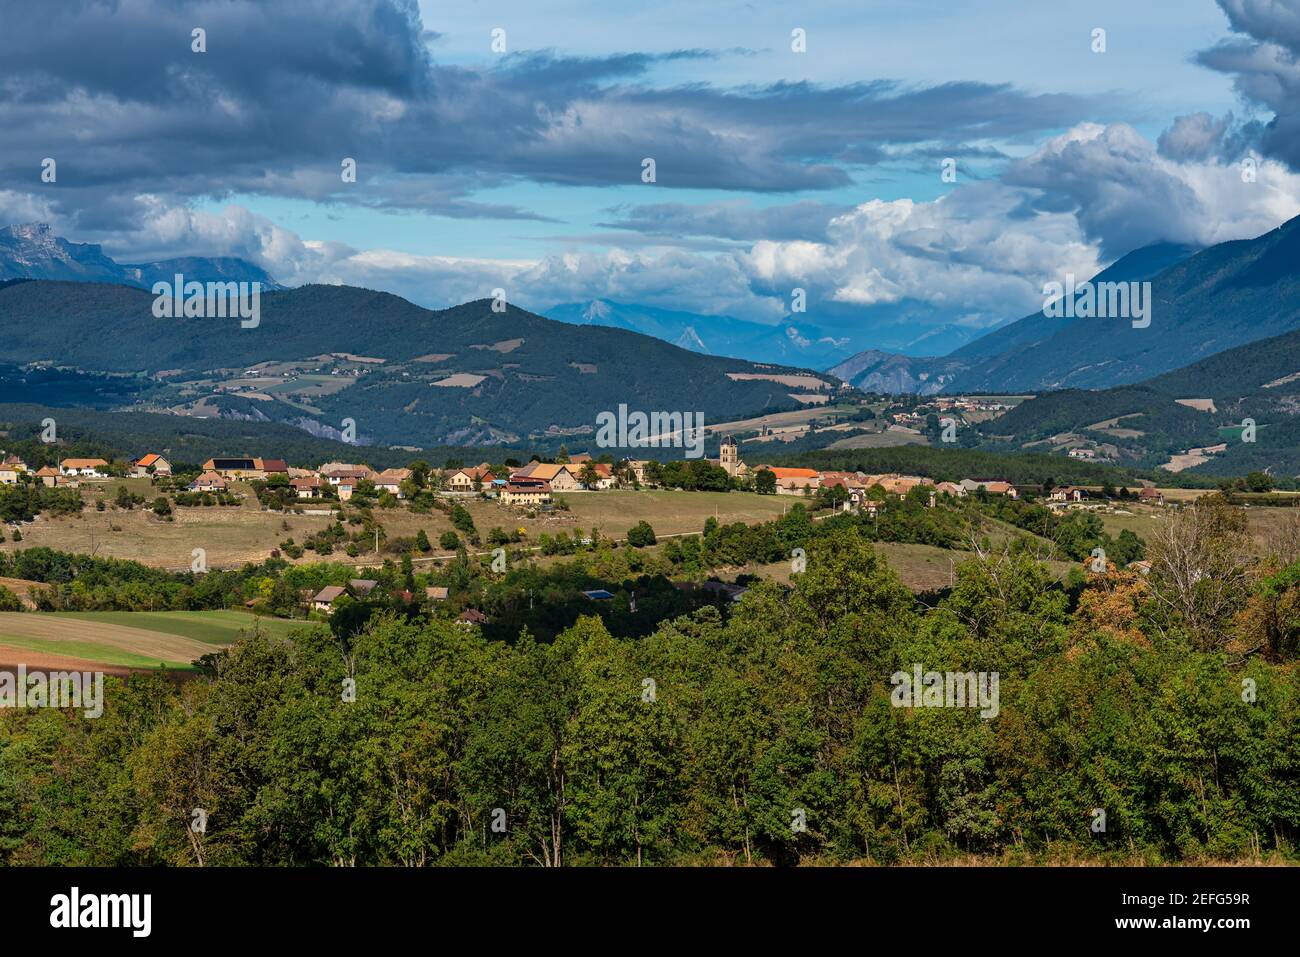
(789, 342)
(1203, 302)
(1243, 404)
(320, 357)
(33, 251)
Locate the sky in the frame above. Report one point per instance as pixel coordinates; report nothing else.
(502, 145)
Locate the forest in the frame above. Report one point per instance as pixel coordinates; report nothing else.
(1142, 718)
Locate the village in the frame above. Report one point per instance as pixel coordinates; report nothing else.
(533, 485)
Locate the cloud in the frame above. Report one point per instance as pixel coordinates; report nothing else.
(286, 90)
(1264, 63)
(1127, 194)
(736, 220)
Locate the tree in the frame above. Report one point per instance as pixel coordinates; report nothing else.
(641, 535)
(449, 541)
(1259, 482)
(765, 482)
(1200, 559)
(422, 541)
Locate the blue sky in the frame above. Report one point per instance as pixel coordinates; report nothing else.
(776, 169)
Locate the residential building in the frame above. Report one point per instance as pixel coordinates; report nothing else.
(15, 463)
(8, 475)
(351, 475)
(1151, 495)
(208, 482)
(273, 467)
(231, 467)
(150, 465)
(307, 486)
(562, 478)
(992, 486)
(472, 616)
(390, 480)
(361, 587)
(1069, 493)
(88, 468)
(325, 598)
(526, 492)
(436, 593)
(50, 476)
(794, 481)
(471, 479)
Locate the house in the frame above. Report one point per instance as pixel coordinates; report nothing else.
(580, 459)
(273, 467)
(794, 481)
(208, 482)
(349, 475)
(306, 487)
(472, 616)
(436, 593)
(8, 475)
(992, 486)
(151, 464)
(235, 468)
(50, 476)
(637, 468)
(900, 484)
(346, 488)
(1151, 495)
(950, 488)
(1069, 493)
(604, 475)
(1086, 454)
(526, 492)
(361, 587)
(471, 479)
(1142, 567)
(390, 480)
(15, 463)
(90, 468)
(325, 598)
(562, 478)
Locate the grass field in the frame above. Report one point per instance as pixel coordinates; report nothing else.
(233, 535)
(212, 627)
(126, 639)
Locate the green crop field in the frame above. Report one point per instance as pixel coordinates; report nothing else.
(213, 627)
(172, 639)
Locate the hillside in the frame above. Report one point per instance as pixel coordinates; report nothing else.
(967, 368)
(1221, 297)
(1147, 422)
(190, 441)
(1203, 303)
(404, 374)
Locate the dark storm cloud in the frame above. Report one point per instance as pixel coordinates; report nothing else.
(1265, 67)
(287, 89)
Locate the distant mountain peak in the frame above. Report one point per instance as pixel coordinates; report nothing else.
(36, 251)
